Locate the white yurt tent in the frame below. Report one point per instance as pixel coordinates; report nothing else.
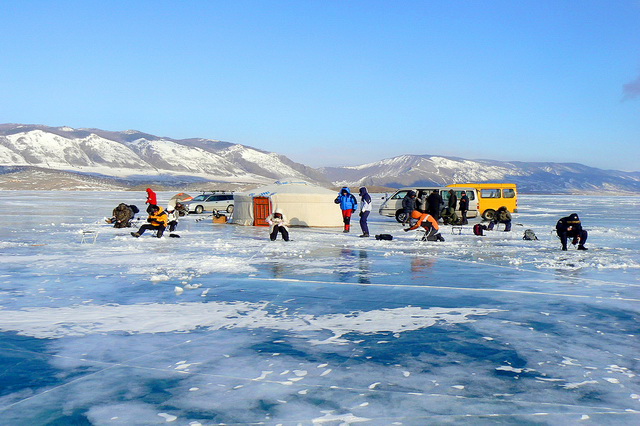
(302, 203)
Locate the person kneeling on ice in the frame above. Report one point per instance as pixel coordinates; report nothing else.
(122, 216)
(157, 219)
(175, 209)
(570, 226)
(348, 204)
(502, 216)
(278, 223)
(430, 225)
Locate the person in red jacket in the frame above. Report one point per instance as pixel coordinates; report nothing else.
(430, 225)
(151, 197)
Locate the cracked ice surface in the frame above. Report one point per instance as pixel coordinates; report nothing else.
(326, 329)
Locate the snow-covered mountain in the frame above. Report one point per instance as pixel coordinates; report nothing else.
(531, 177)
(132, 157)
(138, 156)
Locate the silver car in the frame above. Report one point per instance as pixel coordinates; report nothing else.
(208, 202)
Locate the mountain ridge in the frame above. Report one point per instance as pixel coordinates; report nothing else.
(130, 158)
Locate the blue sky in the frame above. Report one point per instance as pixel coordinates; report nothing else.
(337, 82)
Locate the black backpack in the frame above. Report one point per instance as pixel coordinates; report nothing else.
(529, 235)
(478, 229)
(388, 237)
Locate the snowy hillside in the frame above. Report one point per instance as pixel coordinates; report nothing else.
(138, 156)
(132, 157)
(532, 177)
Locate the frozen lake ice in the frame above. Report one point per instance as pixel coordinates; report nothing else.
(224, 326)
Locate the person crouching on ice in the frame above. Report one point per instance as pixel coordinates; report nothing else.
(502, 216)
(278, 223)
(430, 225)
(157, 219)
(348, 204)
(570, 226)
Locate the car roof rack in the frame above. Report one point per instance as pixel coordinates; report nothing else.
(217, 191)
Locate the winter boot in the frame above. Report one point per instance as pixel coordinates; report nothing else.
(346, 228)
(135, 234)
(364, 235)
(581, 247)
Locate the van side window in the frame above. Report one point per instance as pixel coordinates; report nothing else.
(470, 195)
(490, 193)
(399, 195)
(508, 193)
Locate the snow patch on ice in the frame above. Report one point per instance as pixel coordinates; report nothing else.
(161, 318)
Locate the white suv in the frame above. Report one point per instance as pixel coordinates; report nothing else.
(208, 202)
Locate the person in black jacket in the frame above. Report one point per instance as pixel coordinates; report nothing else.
(453, 200)
(434, 200)
(464, 207)
(570, 226)
(408, 206)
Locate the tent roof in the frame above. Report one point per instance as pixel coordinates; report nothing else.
(287, 187)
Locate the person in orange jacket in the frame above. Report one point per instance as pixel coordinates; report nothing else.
(158, 220)
(430, 225)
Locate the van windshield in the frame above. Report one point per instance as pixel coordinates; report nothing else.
(399, 194)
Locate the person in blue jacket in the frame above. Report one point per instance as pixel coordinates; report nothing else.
(348, 204)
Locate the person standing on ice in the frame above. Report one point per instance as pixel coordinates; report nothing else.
(365, 209)
(278, 223)
(430, 225)
(464, 207)
(434, 201)
(152, 199)
(348, 204)
(502, 216)
(408, 206)
(570, 226)
(157, 220)
(453, 200)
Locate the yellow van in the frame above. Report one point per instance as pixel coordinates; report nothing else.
(492, 196)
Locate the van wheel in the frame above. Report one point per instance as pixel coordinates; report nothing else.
(230, 208)
(400, 216)
(488, 214)
(199, 209)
